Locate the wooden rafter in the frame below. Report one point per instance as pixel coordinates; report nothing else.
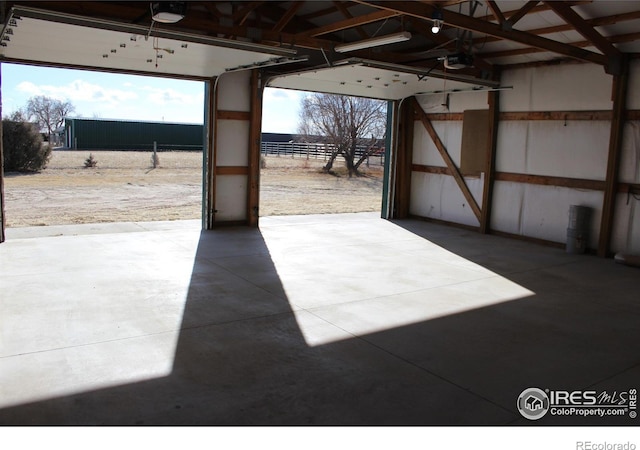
(211, 8)
(629, 37)
(323, 12)
(582, 27)
(375, 16)
(597, 22)
(345, 12)
(586, 30)
(286, 18)
(447, 159)
(496, 11)
(273, 12)
(242, 14)
(532, 9)
(519, 14)
(424, 11)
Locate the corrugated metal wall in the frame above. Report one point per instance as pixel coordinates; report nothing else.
(96, 134)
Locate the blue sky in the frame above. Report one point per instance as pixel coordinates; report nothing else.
(132, 97)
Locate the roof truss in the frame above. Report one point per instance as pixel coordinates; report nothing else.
(503, 35)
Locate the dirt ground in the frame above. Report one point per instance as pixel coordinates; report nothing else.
(124, 187)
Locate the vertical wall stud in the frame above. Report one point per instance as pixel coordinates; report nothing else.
(490, 171)
(404, 159)
(388, 143)
(209, 158)
(255, 134)
(613, 162)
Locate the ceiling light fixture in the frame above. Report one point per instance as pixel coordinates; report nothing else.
(168, 12)
(374, 42)
(438, 21)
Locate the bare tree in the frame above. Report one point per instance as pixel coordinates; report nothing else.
(352, 125)
(48, 113)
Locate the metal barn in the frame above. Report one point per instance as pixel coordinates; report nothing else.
(98, 134)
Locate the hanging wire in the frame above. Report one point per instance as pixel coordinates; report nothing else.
(486, 36)
(380, 27)
(152, 21)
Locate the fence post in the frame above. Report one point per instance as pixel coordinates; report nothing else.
(154, 158)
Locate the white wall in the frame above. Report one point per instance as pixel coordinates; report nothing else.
(568, 87)
(232, 146)
(571, 149)
(438, 196)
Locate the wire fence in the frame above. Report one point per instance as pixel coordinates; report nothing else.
(309, 150)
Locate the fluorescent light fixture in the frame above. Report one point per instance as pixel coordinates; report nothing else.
(374, 42)
(168, 12)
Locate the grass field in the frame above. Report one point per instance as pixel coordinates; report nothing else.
(124, 187)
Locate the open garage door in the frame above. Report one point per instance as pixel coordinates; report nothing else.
(55, 39)
(391, 82)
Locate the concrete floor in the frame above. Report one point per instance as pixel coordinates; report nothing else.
(333, 319)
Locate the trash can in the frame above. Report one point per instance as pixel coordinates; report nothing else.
(578, 230)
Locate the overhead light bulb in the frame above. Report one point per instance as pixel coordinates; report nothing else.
(438, 21)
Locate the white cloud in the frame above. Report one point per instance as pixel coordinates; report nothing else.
(282, 95)
(281, 110)
(164, 96)
(78, 91)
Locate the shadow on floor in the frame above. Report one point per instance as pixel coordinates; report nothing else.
(242, 357)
